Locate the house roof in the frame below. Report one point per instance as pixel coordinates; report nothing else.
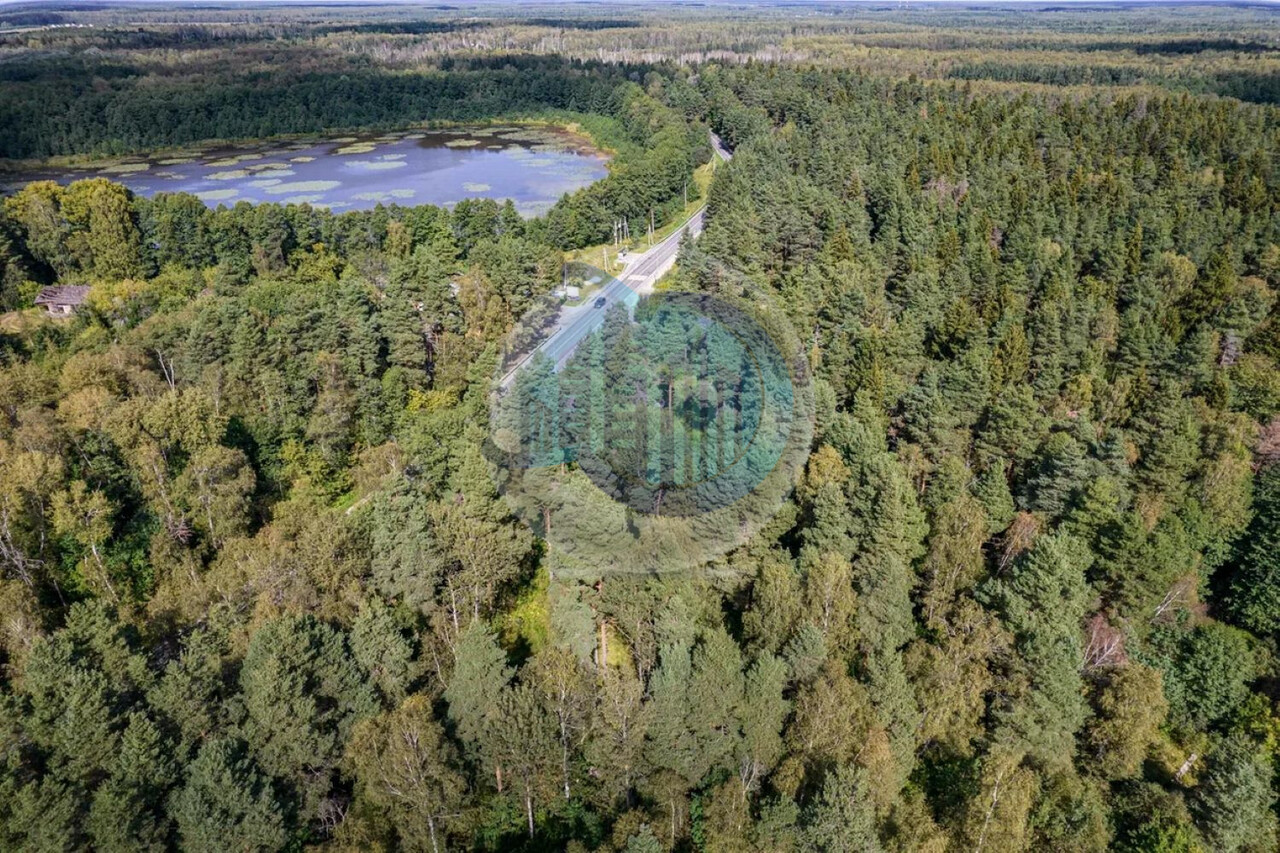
(64, 294)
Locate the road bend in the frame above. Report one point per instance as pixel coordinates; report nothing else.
(637, 279)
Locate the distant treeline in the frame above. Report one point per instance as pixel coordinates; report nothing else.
(1261, 88)
(1180, 46)
(1051, 75)
(56, 116)
(29, 19)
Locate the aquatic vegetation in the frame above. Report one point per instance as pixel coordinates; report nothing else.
(303, 187)
(376, 165)
(224, 162)
(533, 135)
(217, 195)
(407, 168)
(124, 168)
(534, 208)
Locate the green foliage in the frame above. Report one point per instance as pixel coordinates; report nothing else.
(1233, 803)
(1206, 672)
(1254, 599)
(843, 819)
(407, 771)
(1129, 709)
(302, 693)
(252, 545)
(479, 678)
(1151, 819)
(227, 801)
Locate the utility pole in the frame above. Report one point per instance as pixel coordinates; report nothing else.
(686, 193)
(604, 258)
(651, 227)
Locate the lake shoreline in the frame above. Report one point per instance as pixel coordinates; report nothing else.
(566, 124)
(532, 164)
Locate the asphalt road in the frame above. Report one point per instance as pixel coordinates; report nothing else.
(637, 279)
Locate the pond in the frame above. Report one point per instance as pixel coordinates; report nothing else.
(532, 166)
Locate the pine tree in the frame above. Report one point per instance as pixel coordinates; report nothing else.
(1233, 802)
(1254, 597)
(523, 740)
(128, 808)
(1043, 601)
(762, 714)
(383, 651)
(842, 820)
(228, 803)
(479, 678)
(302, 693)
(715, 695)
(669, 744)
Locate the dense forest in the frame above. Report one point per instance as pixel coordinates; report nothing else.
(260, 587)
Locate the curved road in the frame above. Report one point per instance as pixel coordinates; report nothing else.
(637, 278)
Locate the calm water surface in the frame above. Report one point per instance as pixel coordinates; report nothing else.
(533, 167)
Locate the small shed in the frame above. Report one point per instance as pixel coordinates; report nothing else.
(62, 300)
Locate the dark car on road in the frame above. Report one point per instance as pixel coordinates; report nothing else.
(600, 302)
